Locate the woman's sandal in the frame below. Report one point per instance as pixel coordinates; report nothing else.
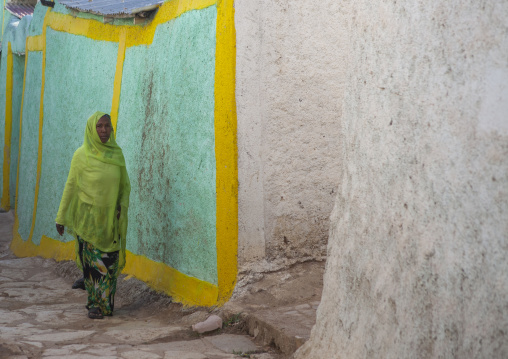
(95, 313)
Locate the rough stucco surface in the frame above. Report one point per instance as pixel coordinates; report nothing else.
(417, 262)
(29, 144)
(18, 70)
(3, 70)
(70, 98)
(165, 128)
(166, 123)
(288, 103)
(14, 31)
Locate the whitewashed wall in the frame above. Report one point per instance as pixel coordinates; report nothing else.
(418, 252)
(290, 72)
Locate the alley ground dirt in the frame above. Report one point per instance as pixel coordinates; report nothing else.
(42, 317)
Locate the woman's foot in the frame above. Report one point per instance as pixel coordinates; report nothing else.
(79, 284)
(95, 313)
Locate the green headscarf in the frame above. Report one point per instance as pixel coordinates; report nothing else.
(108, 152)
(96, 186)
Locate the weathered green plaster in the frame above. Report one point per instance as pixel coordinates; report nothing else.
(18, 70)
(4, 14)
(166, 128)
(3, 77)
(3, 71)
(14, 34)
(35, 27)
(79, 81)
(29, 143)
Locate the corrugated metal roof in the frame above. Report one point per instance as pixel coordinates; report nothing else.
(20, 10)
(112, 7)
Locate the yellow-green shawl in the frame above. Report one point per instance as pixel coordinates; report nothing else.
(97, 184)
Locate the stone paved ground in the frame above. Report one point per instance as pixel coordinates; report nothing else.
(279, 307)
(42, 317)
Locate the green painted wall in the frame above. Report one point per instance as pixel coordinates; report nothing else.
(13, 28)
(3, 71)
(18, 70)
(37, 20)
(79, 81)
(29, 143)
(166, 126)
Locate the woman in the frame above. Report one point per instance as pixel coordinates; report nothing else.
(94, 209)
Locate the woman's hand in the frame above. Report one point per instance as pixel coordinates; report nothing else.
(60, 229)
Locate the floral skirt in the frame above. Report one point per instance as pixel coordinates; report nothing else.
(100, 273)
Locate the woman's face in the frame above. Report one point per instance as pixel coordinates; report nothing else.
(104, 128)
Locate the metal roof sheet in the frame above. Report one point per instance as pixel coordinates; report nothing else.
(112, 7)
(19, 10)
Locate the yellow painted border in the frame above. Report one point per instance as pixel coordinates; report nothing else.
(226, 150)
(48, 248)
(117, 85)
(183, 289)
(20, 133)
(5, 202)
(41, 120)
(34, 43)
(162, 277)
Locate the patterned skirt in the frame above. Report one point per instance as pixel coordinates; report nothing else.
(100, 273)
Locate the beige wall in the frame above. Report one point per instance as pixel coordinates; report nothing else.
(289, 96)
(418, 249)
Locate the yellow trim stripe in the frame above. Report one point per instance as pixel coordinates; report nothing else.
(226, 150)
(160, 276)
(20, 133)
(41, 118)
(117, 85)
(182, 288)
(5, 202)
(48, 248)
(34, 43)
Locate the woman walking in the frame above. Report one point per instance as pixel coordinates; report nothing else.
(94, 209)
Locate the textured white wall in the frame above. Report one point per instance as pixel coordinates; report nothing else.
(289, 97)
(418, 251)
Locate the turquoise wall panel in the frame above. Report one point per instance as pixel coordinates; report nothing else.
(18, 70)
(29, 144)
(166, 128)
(35, 27)
(3, 72)
(78, 81)
(15, 32)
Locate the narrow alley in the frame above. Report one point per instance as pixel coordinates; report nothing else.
(42, 317)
